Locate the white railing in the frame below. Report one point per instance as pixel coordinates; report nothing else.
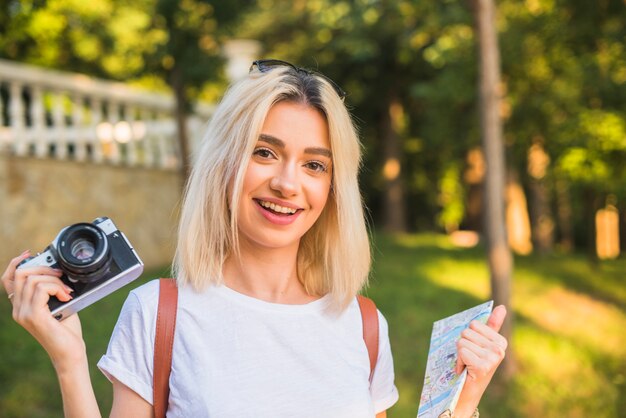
(68, 116)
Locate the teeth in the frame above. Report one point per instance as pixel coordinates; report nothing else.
(277, 208)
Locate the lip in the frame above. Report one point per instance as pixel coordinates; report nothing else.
(276, 218)
(278, 202)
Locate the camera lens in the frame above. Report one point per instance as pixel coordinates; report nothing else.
(83, 252)
(82, 249)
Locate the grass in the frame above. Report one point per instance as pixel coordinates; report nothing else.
(570, 325)
(569, 340)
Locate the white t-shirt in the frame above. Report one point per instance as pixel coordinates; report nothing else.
(237, 356)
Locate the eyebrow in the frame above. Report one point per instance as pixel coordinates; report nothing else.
(272, 140)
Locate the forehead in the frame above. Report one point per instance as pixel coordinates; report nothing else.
(297, 124)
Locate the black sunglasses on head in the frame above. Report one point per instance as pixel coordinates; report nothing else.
(269, 64)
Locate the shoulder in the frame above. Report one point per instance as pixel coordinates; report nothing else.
(141, 305)
(146, 292)
(367, 312)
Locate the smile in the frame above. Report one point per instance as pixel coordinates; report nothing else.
(276, 208)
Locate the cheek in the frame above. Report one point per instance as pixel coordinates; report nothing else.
(323, 195)
(255, 175)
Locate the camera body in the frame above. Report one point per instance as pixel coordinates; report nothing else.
(96, 260)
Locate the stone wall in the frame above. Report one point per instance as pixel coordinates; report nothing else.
(38, 197)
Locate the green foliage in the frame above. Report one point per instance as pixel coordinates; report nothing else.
(123, 40)
(563, 64)
(451, 198)
(415, 53)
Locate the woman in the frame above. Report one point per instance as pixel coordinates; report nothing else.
(271, 253)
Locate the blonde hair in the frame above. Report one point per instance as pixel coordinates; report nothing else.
(334, 255)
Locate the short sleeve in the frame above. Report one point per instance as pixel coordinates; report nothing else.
(129, 357)
(382, 389)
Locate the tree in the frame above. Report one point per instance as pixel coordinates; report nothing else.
(175, 43)
(387, 55)
(192, 55)
(498, 252)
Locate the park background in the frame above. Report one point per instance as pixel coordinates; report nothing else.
(411, 70)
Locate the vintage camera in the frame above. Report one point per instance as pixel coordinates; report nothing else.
(96, 260)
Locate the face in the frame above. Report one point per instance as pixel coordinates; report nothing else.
(288, 179)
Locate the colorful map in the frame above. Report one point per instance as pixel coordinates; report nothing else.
(442, 386)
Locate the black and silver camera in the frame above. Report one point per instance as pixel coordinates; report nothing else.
(96, 260)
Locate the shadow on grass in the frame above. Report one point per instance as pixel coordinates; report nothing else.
(578, 274)
(411, 302)
(407, 289)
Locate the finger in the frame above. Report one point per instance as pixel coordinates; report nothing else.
(44, 290)
(460, 360)
(39, 270)
(492, 336)
(34, 281)
(476, 337)
(493, 345)
(496, 319)
(22, 298)
(7, 276)
(21, 276)
(474, 348)
(35, 313)
(470, 358)
(458, 367)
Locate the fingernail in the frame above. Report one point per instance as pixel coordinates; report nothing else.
(25, 252)
(68, 289)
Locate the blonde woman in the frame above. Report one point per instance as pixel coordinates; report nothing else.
(272, 251)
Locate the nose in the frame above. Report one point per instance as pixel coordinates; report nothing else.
(286, 181)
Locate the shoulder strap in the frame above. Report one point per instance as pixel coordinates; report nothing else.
(163, 342)
(369, 315)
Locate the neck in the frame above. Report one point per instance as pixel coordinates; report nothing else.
(267, 274)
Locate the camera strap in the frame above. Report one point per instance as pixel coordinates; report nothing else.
(164, 340)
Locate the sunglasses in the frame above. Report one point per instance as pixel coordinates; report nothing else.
(269, 64)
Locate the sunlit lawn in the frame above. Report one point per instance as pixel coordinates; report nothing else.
(569, 341)
(570, 325)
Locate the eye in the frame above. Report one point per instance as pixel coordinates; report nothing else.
(317, 166)
(264, 153)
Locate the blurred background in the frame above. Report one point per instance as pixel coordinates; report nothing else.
(102, 104)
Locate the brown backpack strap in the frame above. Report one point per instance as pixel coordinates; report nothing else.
(164, 340)
(369, 314)
(163, 343)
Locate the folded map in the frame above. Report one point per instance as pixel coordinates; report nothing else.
(442, 386)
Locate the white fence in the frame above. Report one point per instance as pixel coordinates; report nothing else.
(69, 116)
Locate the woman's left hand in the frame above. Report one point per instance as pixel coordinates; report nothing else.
(481, 349)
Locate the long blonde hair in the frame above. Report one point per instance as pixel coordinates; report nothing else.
(334, 255)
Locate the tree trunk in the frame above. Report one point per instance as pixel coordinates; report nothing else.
(590, 207)
(498, 251)
(518, 229)
(540, 212)
(182, 105)
(394, 194)
(541, 217)
(564, 216)
(474, 178)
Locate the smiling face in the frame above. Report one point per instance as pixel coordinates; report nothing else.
(288, 179)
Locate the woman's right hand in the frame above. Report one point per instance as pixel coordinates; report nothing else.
(29, 290)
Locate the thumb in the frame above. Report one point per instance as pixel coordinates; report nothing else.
(496, 319)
